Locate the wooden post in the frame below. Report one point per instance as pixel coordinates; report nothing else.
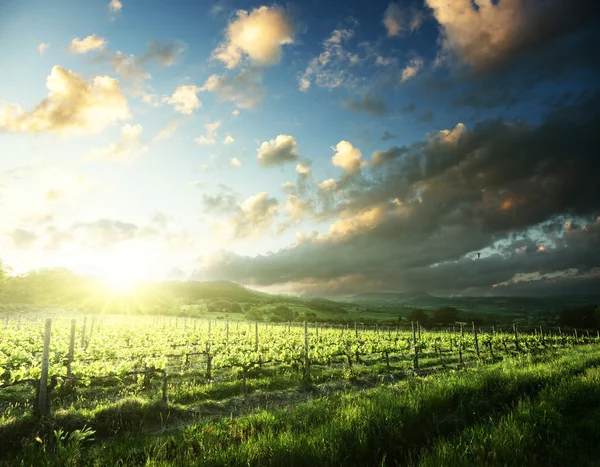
(256, 335)
(389, 333)
(306, 361)
(317, 330)
(227, 329)
(91, 332)
(476, 340)
(419, 328)
(575, 332)
(516, 336)
(414, 335)
(542, 334)
(43, 392)
(195, 322)
(184, 324)
(71, 346)
(83, 332)
(355, 330)
(209, 326)
(6, 325)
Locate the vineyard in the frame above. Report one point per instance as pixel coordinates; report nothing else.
(54, 363)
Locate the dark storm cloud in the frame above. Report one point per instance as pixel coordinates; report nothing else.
(415, 222)
(368, 103)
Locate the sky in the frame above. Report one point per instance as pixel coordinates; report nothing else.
(314, 148)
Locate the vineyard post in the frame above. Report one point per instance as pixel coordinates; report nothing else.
(376, 329)
(317, 329)
(575, 332)
(184, 324)
(71, 346)
(176, 322)
(256, 335)
(83, 332)
(91, 332)
(476, 340)
(419, 328)
(195, 323)
(389, 333)
(588, 334)
(414, 334)
(355, 330)
(598, 334)
(6, 325)
(516, 336)
(209, 323)
(306, 361)
(559, 331)
(42, 394)
(542, 334)
(493, 330)
(227, 329)
(19, 322)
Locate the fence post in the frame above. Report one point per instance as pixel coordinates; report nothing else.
(71, 346)
(83, 332)
(419, 328)
(355, 330)
(43, 391)
(256, 335)
(476, 340)
(306, 360)
(414, 334)
(227, 329)
(516, 336)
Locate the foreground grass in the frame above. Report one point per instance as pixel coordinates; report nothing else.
(479, 416)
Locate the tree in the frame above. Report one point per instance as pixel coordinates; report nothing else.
(283, 314)
(445, 315)
(254, 314)
(580, 317)
(418, 315)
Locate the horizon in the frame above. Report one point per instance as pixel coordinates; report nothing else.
(316, 150)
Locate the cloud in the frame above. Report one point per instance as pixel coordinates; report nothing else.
(164, 53)
(501, 187)
(347, 157)
(259, 35)
(426, 116)
(303, 170)
(235, 162)
(244, 89)
(379, 158)
(329, 68)
(397, 19)
(229, 140)
(369, 103)
(126, 150)
(42, 48)
(235, 113)
(22, 239)
(167, 132)
(278, 151)
(411, 69)
(73, 106)
(185, 99)
(210, 133)
(489, 35)
(387, 136)
(83, 46)
(115, 6)
(393, 20)
(252, 218)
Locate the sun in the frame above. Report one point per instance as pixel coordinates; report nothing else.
(120, 280)
(121, 272)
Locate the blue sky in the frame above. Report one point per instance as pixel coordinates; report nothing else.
(123, 162)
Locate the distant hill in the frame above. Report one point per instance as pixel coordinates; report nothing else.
(198, 290)
(390, 298)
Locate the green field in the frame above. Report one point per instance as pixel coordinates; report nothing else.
(158, 390)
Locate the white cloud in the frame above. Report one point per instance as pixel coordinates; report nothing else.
(278, 151)
(244, 89)
(256, 215)
(258, 35)
(347, 157)
(329, 184)
(228, 139)
(185, 99)
(412, 69)
(328, 69)
(114, 6)
(303, 169)
(235, 113)
(125, 150)
(73, 106)
(393, 20)
(209, 137)
(235, 162)
(42, 48)
(83, 46)
(166, 132)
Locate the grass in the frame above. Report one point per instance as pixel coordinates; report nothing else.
(527, 410)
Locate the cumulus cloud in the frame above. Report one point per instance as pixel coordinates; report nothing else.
(235, 162)
(209, 135)
(490, 34)
(73, 106)
(259, 35)
(83, 46)
(42, 48)
(411, 69)
(397, 19)
(115, 6)
(235, 113)
(185, 99)
(369, 103)
(244, 89)
(126, 150)
(504, 187)
(278, 151)
(167, 132)
(329, 68)
(347, 157)
(228, 140)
